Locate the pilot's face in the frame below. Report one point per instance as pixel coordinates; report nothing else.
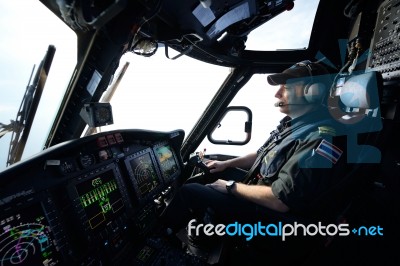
(291, 99)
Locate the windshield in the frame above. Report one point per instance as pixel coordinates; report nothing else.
(25, 28)
(155, 93)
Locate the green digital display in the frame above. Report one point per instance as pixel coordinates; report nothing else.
(145, 174)
(100, 199)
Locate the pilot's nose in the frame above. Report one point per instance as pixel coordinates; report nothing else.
(278, 93)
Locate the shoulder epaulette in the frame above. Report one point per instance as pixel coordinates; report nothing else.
(326, 130)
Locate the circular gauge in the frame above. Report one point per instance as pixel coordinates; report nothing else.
(103, 115)
(87, 160)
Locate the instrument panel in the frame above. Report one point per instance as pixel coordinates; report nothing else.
(384, 56)
(88, 201)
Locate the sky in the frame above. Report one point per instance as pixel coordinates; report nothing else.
(156, 93)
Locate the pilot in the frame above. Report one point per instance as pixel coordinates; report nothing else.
(295, 173)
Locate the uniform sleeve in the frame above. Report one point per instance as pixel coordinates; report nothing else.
(313, 168)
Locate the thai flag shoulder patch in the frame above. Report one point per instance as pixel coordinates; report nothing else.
(329, 151)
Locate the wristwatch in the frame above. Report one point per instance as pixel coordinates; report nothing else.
(230, 185)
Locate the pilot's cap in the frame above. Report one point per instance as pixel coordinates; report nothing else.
(301, 70)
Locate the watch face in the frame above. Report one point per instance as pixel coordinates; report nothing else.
(229, 186)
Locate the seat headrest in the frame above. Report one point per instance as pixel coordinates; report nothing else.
(361, 91)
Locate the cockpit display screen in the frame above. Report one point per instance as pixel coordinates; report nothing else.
(100, 198)
(145, 176)
(26, 238)
(167, 161)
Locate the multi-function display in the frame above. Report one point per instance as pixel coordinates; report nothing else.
(26, 238)
(166, 158)
(100, 198)
(144, 174)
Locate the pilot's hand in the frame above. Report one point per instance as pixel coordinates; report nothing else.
(217, 166)
(219, 185)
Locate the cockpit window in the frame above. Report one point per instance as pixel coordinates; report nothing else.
(27, 29)
(290, 30)
(157, 93)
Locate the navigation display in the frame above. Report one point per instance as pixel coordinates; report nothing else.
(165, 156)
(27, 239)
(100, 198)
(143, 173)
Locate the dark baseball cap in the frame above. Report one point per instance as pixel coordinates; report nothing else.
(299, 71)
